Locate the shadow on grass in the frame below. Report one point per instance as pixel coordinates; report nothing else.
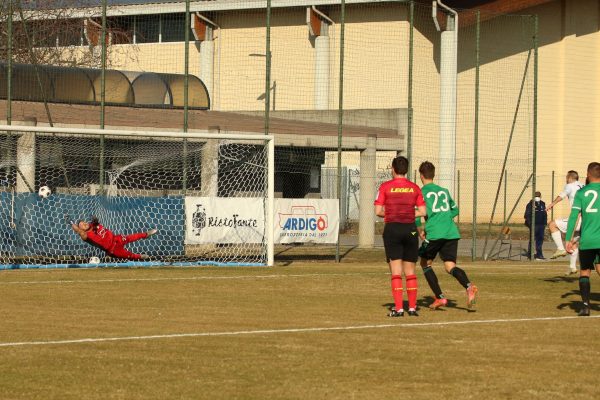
(424, 303)
(576, 303)
(298, 253)
(559, 279)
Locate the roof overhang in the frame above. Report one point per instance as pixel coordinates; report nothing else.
(488, 8)
(204, 6)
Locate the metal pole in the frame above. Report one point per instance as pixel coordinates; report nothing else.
(186, 80)
(505, 186)
(458, 193)
(9, 87)
(475, 140)
(409, 138)
(535, 126)
(103, 94)
(268, 69)
(508, 146)
(340, 119)
(9, 65)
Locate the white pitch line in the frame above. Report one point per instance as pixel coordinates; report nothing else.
(288, 330)
(194, 278)
(200, 278)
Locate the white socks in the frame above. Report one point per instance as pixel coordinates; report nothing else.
(573, 260)
(557, 237)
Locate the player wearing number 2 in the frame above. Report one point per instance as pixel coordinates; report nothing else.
(441, 236)
(586, 204)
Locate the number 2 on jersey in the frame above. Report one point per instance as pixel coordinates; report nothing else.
(589, 208)
(445, 206)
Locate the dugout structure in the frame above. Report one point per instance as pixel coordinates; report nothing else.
(135, 181)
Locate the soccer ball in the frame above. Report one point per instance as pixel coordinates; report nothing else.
(94, 260)
(44, 192)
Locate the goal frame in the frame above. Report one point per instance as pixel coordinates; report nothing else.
(116, 133)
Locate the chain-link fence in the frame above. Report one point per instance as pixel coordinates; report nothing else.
(344, 89)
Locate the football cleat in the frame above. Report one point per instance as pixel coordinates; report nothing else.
(413, 313)
(571, 271)
(438, 303)
(394, 313)
(471, 294)
(559, 253)
(584, 312)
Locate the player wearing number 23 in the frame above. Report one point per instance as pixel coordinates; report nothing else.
(441, 236)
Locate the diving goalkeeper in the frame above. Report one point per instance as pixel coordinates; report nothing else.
(114, 245)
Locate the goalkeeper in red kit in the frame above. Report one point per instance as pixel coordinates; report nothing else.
(114, 245)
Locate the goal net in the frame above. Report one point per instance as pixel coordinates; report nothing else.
(210, 196)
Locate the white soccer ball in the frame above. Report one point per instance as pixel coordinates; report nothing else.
(44, 192)
(94, 260)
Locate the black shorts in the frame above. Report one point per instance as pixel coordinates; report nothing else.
(447, 249)
(401, 242)
(589, 258)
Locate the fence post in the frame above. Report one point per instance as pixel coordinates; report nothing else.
(186, 82)
(506, 153)
(9, 65)
(535, 127)
(410, 88)
(505, 186)
(475, 140)
(340, 118)
(268, 68)
(102, 94)
(9, 86)
(458, 193)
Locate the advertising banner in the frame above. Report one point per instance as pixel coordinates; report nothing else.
(306, 220)
(224, 220)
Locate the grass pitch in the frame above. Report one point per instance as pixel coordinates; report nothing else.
(295, 331)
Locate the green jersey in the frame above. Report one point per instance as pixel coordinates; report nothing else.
(586, 202)
(441, 210)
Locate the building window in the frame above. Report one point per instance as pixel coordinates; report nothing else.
(173, 28)
(121, 29)
(147, 28)
(70, 32)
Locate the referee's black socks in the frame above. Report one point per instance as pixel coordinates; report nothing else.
(461, 276)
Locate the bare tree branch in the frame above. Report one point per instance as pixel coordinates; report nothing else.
(57, 34)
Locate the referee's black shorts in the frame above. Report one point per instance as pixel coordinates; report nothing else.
(589, 258)
(446, 248)
(401, 241)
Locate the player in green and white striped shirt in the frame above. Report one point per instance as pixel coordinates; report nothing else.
(586, 205)
(441, 237)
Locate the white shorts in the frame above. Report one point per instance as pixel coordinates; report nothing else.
(561, 224)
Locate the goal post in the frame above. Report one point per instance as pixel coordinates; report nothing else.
(210, 195)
